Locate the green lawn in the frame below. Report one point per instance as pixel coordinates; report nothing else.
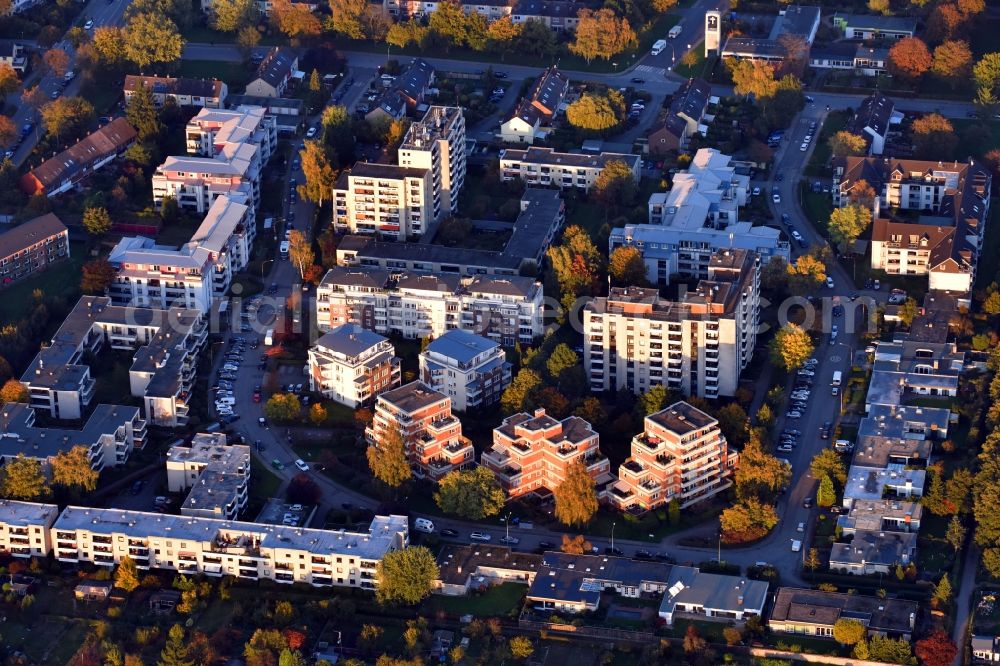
(989, 258)
(816, 205)
(60, 280)
(236, 74)
(696, 68)
(498, 601)
(101, 95)
(818, 162)
(263, 483)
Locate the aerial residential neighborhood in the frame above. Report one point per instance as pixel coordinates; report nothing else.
(523, 332)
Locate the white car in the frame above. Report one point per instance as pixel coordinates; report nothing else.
(796, 235)
(794, 415)
(511, 540)
(829, 282)
(776, 198)
(785, 448)
(311, 133)
(835, 390)
(480, 536)
(806, 373)
(89, 24)
(301, 464)
(801, 527)
(756, 191)
(804, 147)
(295, 507)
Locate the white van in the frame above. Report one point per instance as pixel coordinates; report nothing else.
(796, 545)
(837, 376)
(658, 46)
(423, 525)
(674, 32)
(269, 337)
(283, 249)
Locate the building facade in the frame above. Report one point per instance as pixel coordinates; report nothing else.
(471, 370)
(205, 93)
(31, 247)
(531, 453)
(62, 172)
(680, 454)
(352, 365)
(542, 166)
(697, 344)
(437, 143)
(215, 475)
(432, 437)
(24, 528)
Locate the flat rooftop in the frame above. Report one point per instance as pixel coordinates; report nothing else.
(26, 514)
(19, 434)
(412, 397)
(456, 562)
(681, 418)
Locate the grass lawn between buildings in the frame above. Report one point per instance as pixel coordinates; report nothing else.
(497, 601)
(989, 257)
(61, 280)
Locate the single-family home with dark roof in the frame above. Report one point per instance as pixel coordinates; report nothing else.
(534, 113)
(814, 612)
(274, 73)
(205, 93)
(872, 121)
(683, 119)
(405, 92)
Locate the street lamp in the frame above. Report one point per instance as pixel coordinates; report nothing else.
(507, 525)
(262, 264)
(612, 538)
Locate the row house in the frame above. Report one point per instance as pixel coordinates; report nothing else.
(70, 167)
(531, 453)
(205, 93)
(697, 344)
(532, 117)
(431, 435)
(31, 247)
(506, 309)
(681, 454)
(215, 547)
(352, 365)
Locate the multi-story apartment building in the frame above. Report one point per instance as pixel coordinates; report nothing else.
(543, 166)
(206, 93)
(31, 247)
(696, 218)
(61, 172)
(390, 201)
(214, 473)
(952, 200)
(251, 551)
(698, 343)
(471, 370)
(193, 275)
(432, 437)
(437, 143)
(506, 309)
(680, 454)
(542, 215)
(110, 434)
(398, 202)
(351, 365)
(167, 343)
(24, 528)
(531, 453)
(209, 132)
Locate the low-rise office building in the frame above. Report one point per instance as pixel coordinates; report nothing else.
(195, 274)
(251, 551)
(575, 583)
(869, 553)
(463, 568)
(543, 166)
(109, 435)
(214, 473)
(352, 365)
(432, 437)
(874, 26)
(716, 597)
(505, 309)
(697, 344)
(166, 344)
(62, 172)
(680, 454)
(31, 247)
(205, 93)
(471, 370)
(24, 528)
(815, 612)
(532, 452)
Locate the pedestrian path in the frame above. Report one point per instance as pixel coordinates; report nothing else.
(649, 69)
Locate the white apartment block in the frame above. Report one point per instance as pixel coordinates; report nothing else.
(506, 309)
(109, 435)
(698, 216)
(24, 528)
(471, 370)
(193, 275)
(209, 132)
(352, 365)
(251, 551)
(437, 143)
(398, 202)
(215, 473)
(697, 344)
(543, 166)
(167, 343)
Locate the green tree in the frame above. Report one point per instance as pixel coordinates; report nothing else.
(627, 267)
(849, 632)
(500, 34)
(826, 495)
(300, 251)
(601, 34)
(9, 81)
(474, 494)
(96, 220)
(653, 400)
(759, 474)
(934, 135)
(881, 648)
(748, 520)
(596, 111)
(319, 174)
(908, 311)
(96, 276)
(345, 18)
(175, 652)
(791, 346)
(576, 262)
(955, 536)
(561, 359)
(615, 185)
(72, 469)
(127, 574)
(150, 39)
(283, 407)
(338, 134)
(405, 576)
(404, 34)
(733, 422)
(576, 496)
(845, 143)
(291, 658)
(674, 511)
(991, 305)
(520, 647)
(387, 458)
(952, 62)
(986, 72)
(232, 15)
(806, 275)
(68, 118)
(142, 114)
(247, 38)
(317, 414)
(812, 561)
(23, 479)
(449, 22)
(516, 397)
(536, 39)
(942, 591)
(109, 45)
(847, 224)
(829, 463)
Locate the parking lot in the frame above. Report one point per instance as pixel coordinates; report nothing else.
(279, 512)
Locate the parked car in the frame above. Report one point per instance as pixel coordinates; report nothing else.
(480, 536)
(510, 540)
(277, 464)
(302, 465)
(776, 198)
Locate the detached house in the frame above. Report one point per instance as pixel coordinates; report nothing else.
(683, 119)
(533, 115)
(274, 73)
(872, 120)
